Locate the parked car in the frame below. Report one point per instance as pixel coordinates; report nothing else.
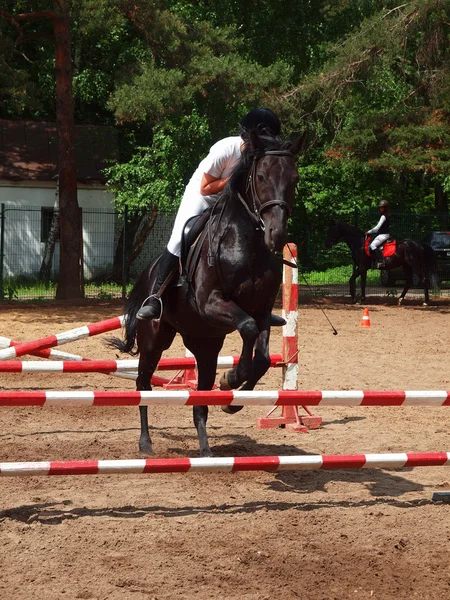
(440, 242)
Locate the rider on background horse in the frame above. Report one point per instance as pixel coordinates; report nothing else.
(382, 231)
(202, 191)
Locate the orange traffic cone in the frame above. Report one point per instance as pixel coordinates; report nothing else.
(366, 319)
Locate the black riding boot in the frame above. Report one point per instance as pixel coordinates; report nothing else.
(152, 306)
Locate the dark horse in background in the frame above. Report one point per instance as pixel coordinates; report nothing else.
(234, 285)
(415, 258)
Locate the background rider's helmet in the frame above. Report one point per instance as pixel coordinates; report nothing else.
(383, 204)
(261, 116)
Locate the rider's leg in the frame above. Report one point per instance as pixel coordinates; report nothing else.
(167, 269)
(376, 251)
(192, 204)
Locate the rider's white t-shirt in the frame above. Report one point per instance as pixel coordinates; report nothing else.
(219, 163)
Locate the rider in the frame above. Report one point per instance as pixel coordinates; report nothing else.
(382, 231)
(202, 191)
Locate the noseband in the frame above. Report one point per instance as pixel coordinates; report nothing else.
(251, 191)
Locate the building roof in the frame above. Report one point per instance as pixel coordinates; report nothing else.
(28, 150)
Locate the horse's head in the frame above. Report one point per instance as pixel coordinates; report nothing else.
(272, 177)
(332, 234)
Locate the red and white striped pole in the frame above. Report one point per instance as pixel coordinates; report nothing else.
(289, 416)
(400, 460)
(59, 339)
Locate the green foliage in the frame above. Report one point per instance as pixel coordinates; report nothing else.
(155, 175)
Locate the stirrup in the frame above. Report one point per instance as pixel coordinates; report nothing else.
(143, 305)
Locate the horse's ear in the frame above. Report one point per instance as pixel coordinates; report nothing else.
(299, 144)
(253, 140)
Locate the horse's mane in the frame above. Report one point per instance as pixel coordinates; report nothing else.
(267, 142)
(346, 229)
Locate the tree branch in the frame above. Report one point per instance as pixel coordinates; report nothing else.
(46, 14)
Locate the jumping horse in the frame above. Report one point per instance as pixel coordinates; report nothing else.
(234, 285)
(415, 258)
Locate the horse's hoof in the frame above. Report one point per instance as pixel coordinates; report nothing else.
(146, 450)
(206, 453)
(400, 301)
(224, 385)
(425, 304)
(231, 410)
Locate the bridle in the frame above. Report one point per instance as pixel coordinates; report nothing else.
(251, 192)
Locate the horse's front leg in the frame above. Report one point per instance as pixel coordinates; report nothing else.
(206, 351)
(363, 275)
(261, 359)
(226, 314)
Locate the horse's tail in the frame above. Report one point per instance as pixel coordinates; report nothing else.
(138, 294)
(430, 264)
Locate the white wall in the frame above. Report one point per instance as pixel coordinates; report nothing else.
(23, 247)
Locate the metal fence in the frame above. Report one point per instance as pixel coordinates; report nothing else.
(109, 239)
(27, 247)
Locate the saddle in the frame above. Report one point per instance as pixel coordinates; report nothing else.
(193, 234)
(389, 248)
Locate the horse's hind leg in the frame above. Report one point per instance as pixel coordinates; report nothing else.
(153, 339)
(352, 284)
(206, 351)
(408, 282)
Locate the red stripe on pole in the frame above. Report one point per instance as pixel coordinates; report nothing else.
(11, 366)
(256, 463)
(343, 461)
(167, 465)
(104, 326)
(292, 303)
(74, 467)
(373, 398)
(18, 398)
(119, 398)
(203, 398)
(424, 459)
(293, 397)
(29, 347)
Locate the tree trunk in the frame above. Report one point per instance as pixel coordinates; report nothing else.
(70, 263)
(46, 264)
(441, 206)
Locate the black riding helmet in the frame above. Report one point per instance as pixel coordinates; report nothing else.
(261, 116)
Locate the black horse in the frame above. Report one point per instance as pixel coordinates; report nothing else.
(415, 258)
(235, 283)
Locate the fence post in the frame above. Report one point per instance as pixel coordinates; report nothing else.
(2, 248)
(124, 251)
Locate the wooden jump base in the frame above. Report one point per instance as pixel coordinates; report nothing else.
(227, 465)
(111, 366)
(228, 398)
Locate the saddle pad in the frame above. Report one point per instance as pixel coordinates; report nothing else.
(388, 248)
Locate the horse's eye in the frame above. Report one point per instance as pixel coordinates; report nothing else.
(260, 177)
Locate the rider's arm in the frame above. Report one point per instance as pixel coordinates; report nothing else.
(377, 226)
(211, 185)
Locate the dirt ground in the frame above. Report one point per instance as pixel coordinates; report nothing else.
(254, 536)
